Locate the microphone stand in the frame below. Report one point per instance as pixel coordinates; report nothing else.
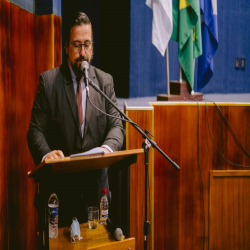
(146, 146)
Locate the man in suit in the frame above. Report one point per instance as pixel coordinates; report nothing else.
(64, 122)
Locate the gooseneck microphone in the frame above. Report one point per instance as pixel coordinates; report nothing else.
(116, 233)
(84, 69)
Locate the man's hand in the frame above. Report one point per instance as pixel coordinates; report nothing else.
(55, 154)
(105, 150)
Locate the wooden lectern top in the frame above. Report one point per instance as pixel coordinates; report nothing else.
(68, 165)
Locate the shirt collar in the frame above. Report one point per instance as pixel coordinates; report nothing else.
(73, 76)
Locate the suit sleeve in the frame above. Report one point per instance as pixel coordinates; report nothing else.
(115, 135)
(36, 136)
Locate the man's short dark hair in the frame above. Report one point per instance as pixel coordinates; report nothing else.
(77, 18)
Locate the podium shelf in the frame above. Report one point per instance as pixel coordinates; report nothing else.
(94, 239)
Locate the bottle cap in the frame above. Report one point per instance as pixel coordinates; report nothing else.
(104, 191)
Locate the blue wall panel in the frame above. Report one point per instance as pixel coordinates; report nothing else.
(57, 7)
(40, 7)
(234, 35)
(148, 67)
(28, 5)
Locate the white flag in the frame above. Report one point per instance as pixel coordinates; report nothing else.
(162, 23)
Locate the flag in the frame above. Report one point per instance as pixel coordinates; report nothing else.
(162, 23)
(187, 31)
(209, 41)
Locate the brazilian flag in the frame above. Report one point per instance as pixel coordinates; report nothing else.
(187, 31)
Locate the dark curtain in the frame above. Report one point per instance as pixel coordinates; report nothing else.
(110, 22)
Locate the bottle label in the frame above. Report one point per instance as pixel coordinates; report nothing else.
(105, 214)
(53, 211)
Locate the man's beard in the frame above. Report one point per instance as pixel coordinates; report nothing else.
(77, 69)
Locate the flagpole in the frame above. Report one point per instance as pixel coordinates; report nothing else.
(167, 65)
(180, 78)
(192, 91)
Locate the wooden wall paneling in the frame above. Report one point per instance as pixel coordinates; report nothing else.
(218, 134)
(43, 44)
(48, 43)
(178, 195)
(238, 118)
(229, 216)
(23, 218)
(166, 179)
(5, 88)
(246, 144)
(210, 159)
(207, 155)
(25, 52)
(57, 40)
(190, 202)
(176, 204)
(144, 118)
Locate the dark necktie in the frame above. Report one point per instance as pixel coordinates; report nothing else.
(79, 100)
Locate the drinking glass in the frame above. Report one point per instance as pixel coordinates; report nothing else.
(93, 217)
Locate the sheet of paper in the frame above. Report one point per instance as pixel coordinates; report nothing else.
(93, 151)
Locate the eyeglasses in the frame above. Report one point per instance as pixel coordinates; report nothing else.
(88, 46)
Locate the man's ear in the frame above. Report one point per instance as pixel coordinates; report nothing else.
(66, 46)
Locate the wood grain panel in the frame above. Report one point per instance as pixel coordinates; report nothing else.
(137, 177)
(229, 216)
(57, 40)
(166, 198)
(44, 49)
(189, 193)
(23, 86)
(22, 58)
(178, 197)
(48, 42)
(5, 88)
(224, 140)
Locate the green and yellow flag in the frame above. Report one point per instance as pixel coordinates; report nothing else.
(187, 31)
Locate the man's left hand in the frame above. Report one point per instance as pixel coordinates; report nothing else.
(105, 150)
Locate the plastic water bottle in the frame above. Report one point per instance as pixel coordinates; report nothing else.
(104, 207)
(53, 204)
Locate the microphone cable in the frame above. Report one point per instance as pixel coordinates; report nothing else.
(199, 167)
(234, 136)
(112, 116)
(237, 141)
(149, 190)
(230, 128)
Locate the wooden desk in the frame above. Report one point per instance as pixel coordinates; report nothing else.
(94, 239)
(180, 199)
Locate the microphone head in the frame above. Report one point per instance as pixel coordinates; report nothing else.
(118, 234)
(84, 65)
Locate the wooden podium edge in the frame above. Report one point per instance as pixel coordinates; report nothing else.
(67, 160)
(127, 243)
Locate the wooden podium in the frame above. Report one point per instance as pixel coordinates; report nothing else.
(119, 162)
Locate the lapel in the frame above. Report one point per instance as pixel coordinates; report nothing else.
(92, 95)
(69, 89)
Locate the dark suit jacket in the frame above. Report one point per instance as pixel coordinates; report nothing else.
(55, 123)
